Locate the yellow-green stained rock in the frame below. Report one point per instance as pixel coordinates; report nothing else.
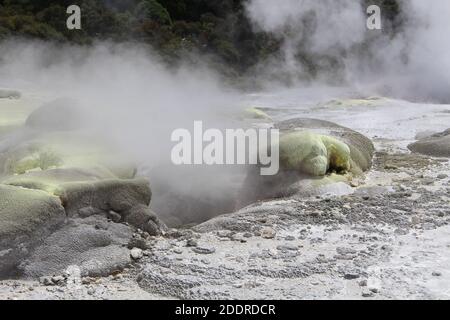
(313, 154)
(64, 150)
(24, 210)
(255, 113)
(348, 103)
(338, 153)
(52, 172)
(49, 180)
(26, 217)
(361, 148)
(42, 160)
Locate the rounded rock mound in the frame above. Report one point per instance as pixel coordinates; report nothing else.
(26, 218)
(342, 144)
(313, 154)
(437, 145)
(58, 115)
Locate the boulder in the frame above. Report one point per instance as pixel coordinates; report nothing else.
(361, 147)
(143, 218)
(310, 151)
(35, 241)
(67, 197)
(95, 245)
(26, 218)
(58, 115)
(437, 145)
(114, 194)
(313, 154)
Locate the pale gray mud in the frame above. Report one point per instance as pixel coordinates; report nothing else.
(388, 237)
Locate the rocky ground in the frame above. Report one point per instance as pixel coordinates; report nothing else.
(389, 239)
(384, 237)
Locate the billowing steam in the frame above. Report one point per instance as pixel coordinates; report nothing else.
(411, 63)
(129, 98)
(311, 27)
(126, 93)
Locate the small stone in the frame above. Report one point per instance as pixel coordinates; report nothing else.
(204, 250)
(58, 279)
(136, 253)
(147, 253)
(442, 176)
(268, 233)
(436, 274)
(401, 231)
(101, 225)
(367, 294)
(86, 280)
(91, 291)
(191, 243)
(428, 181)
(354, 184)
(138, 242)
(247, 235)
(224, 234)
(152, 228)
(177, 251)
(363, 283)
(287, 247)
(415, 220)
(46, 281)
(351, 275)
(117, 277)
(87, 212)
(114, 216)
(374, 290)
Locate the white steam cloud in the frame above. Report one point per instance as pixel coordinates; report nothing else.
(127, 94)
(130, 99)
(425, 46)
(414, 64)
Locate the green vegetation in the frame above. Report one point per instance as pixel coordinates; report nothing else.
(219, 29)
